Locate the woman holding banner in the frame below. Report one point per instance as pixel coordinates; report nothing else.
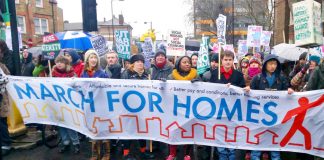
(92, 70)
(182, 71)
(137, 71)
(63, 69)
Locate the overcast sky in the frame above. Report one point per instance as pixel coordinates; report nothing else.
(164, 14)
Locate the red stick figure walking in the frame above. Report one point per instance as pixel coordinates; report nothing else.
(300, 113)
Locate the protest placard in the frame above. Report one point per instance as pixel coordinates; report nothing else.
(307, 23)
(254, 36)
(242, 48)
(99, 44)
(265, 38)
(221, 28)
(123, 44)
(147, 48)
(203, 59)
(175, 43)
(51, 47)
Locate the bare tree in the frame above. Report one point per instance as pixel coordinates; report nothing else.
(259, 12)
(204, 13)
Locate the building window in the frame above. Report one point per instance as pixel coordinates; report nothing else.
(17, 1)
(41, 25)
(21, 23)
(39, 3)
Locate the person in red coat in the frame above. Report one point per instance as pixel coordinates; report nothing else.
(75, 60)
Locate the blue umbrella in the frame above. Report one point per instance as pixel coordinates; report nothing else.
(74, 39)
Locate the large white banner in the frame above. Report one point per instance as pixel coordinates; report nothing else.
(175, 112)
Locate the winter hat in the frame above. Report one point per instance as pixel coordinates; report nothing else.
(255, 60)
(137, 57)
(315, 58)
(248, 54)
(90, 52)
(72, 52)
(303, 56)
(177, 64)
(214, 57)
(62, 59)
(159, 52)
(244, 62)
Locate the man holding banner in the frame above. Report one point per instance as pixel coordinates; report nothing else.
(229, 76)
(270, 79)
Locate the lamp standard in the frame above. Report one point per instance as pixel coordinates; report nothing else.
(150, 24)
(112, 21)
(53, 17)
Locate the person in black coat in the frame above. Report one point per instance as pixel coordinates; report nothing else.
(228, 74)
(27, 65)
(161, 69)
(6, 57)
(270, 79)
(113, 68)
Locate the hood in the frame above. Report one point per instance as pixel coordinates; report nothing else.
(267, 59)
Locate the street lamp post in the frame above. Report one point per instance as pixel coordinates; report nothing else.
(53, 2)
(112, 21)
(150, 24)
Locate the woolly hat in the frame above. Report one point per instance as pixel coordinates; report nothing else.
(159, 52)
(214, 57)
(62, 59)
(244, 62)
(315, 58)
(72, 52)
(137, 57)
(255, 60)
(90, 52)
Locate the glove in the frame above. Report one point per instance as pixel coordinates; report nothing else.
(305, 68)
(163, 79)
(195, 80)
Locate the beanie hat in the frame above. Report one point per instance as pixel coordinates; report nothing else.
(303, 56)
(62, 59)
(244, 62)
(72, 52)
(90, 52)
(137, 57)
(315, 58)
(177, 64)
(159, 52)
(214, 57)
(255, 60)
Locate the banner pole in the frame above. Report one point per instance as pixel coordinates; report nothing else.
(219, 61)
(50, 68)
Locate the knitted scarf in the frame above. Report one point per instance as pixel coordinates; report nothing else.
(190, 76)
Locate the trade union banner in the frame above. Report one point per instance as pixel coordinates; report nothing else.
(175, 112)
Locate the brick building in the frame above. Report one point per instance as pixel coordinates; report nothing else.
(36, 17)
